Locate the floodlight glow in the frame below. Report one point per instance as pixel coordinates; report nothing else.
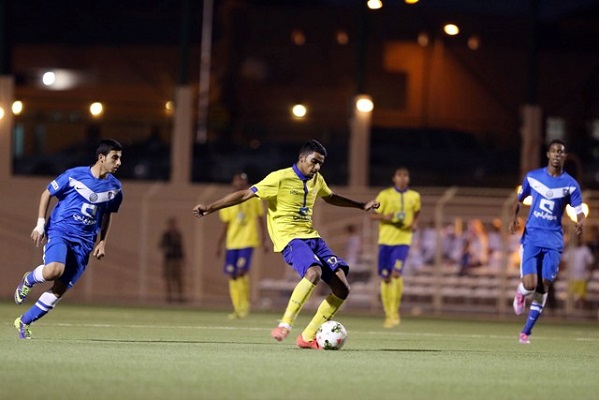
(96, 109)
(299, 111)
(527, 200)
(451, 29)
(1, 112)
(48, 78)
(364, 104)
(61, 79)
(374, 4)
(17, 107)
(572, 214)
(411, 1)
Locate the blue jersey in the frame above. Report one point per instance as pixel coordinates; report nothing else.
(83, 200)
(550, 196)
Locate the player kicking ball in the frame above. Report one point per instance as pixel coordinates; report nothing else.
(290, 194)
(542, 242)
(87, 197)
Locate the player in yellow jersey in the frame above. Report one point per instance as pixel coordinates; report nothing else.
(398, 219)
(244, 230)
(290, 194)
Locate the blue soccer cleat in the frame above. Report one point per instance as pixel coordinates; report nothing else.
(22, 290)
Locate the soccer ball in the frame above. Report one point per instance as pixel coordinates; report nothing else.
(331, 335)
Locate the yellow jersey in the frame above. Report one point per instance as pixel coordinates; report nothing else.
(403, 204)
(242, 220)
(290, 198)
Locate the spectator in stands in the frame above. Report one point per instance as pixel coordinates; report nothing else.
(243, 231)
(593, 244)
(77, 229)
(171, 244)
(428, 243)
(551, 189)
(353, 246)
(398, 219)
(290, 194)
(495, 243)
(475, 251)
(579, 263)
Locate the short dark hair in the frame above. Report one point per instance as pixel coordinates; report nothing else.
(556, 141)
(106, 146)
(312, 146)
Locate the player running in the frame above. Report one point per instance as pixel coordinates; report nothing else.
(542, 242)
(87, 196)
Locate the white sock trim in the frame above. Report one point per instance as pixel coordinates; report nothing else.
(48, 299)
(38, 274)
(523, 291)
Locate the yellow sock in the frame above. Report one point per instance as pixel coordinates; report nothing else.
(397, 292)
(244, 295)
(298, 298)
(234, 293)
(326, 311)
(386, 298)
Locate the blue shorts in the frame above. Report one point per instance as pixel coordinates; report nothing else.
(301, 254)
(74, 256)
(541, 261)
(238, 260)
(392, 258)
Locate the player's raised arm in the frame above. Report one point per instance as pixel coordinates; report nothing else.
(229, 200)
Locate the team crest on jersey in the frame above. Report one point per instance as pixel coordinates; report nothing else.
(93, 197)
(549, 194)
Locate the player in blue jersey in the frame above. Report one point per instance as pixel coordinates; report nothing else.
(87, 197)
(542, 242)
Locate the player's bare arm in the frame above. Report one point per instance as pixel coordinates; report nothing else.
(229, 200)
(38, 233)
(340, 201)
(514, 225)
(579, 227)
(100, 249)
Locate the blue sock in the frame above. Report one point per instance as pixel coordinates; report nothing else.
(43, 306)
(30, 279)
(535, 312)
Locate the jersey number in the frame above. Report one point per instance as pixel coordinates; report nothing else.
(89, 210)
(547, 206)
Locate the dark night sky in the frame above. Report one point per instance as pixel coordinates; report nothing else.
(157, 21)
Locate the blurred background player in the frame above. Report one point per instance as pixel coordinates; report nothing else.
(243, 231)
(171, 244)
(87, 197)
(542, 242)
(290, 194)
(398, 219)
(579, 263)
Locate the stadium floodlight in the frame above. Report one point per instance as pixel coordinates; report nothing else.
(299, 111)
(17, 107)
(364, 104)
(96, 109)
(451, 29)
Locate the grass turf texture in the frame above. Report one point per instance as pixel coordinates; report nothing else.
(142, 353)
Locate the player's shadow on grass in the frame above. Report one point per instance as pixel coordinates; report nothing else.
(175, 341)
(158, 341)
(397, 350)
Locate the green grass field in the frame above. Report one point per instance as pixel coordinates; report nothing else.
(81, 352)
